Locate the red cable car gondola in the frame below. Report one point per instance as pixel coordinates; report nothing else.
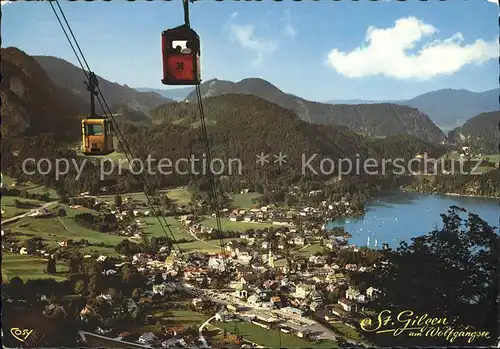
(181, 56)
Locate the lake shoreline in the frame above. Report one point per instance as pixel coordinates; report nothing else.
(400, 215)
(447, 194)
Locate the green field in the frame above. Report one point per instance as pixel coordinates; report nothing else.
(495, 158)
(179, 231)
(30, 187)
(271, 338)
(180, 196)
(53, 231)
(240, 226)
(179, 317)
(139, 196)
(27, 267)
(347, 331)
(153, 227)
(244, 200)
(72, 212)
(8, 205)
(307, 251)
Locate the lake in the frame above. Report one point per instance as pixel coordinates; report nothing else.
(401, 216)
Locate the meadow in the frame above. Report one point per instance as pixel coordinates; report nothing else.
(271, 338)
(28, 267)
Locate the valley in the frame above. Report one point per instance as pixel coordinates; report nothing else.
(91, 253)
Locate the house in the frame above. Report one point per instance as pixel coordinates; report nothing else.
(242, 252)
(300, 241)
(105, 297)
(292, 310)
(23, 251)
(354, 295)
(371, 292)
(244, 280)
(102, 330)
(109, 272)
(147, 338)
(314, 306)
(160, 289)
(87, 310)
(123, 335)
(216, 263)
(253, 299)
(338, 310)
(243, 271)
(302, 290)
(249, 218)
(303, 333)
(235, 218)
(131, 305)
(347, 305)
(174, 343)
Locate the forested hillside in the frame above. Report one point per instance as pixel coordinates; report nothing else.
(376, 120)
(481, 132)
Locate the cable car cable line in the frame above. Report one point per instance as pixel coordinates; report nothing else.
(215, 201)
(121, 139)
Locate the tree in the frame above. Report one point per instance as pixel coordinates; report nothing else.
(204, 283)
(93, 286)
(113, 293)
(51, 265)
(215, 284)
(32, 244)
(118, 201)
(158, 279)
(15, 287)
(61, 212)
(450, 272)
(80, 287)
(75, 263)
(342, 343)
(136, 293)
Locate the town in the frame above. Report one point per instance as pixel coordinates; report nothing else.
(288, 274)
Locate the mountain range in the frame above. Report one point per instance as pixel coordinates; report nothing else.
(32, 103)
(447, 108)
(377, 120)
(62, 94)
(176, 94)
(67, 76)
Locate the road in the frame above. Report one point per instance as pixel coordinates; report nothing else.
(201, 240)
(15, 218)
(111, 342)
(200, 332)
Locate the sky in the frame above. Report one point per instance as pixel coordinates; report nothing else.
(324, 50)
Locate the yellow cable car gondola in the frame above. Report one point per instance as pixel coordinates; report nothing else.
(97, 137)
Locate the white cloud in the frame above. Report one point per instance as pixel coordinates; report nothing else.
(288, 28)
(385, 53)
(5, 3)
(494, 1)
(245, 36)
